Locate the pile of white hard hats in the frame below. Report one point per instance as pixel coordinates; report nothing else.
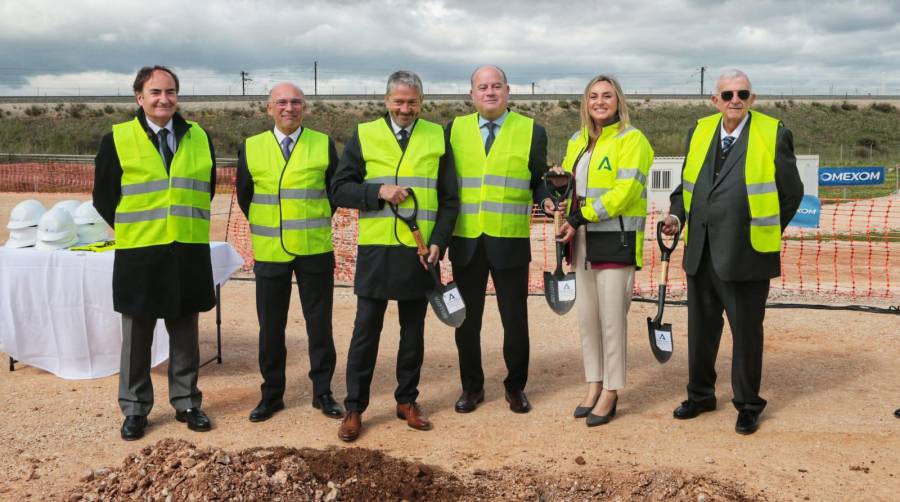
(90, 225)
(68, 223)
(23, 223)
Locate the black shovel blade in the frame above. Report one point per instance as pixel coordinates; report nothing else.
(559, 291)
(447, 304)
(660, 339)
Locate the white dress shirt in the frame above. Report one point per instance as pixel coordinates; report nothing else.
(170, 138)
(294, 135)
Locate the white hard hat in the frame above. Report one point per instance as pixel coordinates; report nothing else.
(86, 214)
(22, 237)
(56, 230)
(25, 214)
(91, 233)
(70, 205)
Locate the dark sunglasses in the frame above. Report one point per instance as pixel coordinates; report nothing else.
(743, 94)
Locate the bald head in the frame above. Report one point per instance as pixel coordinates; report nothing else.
(490, 91)
(286, 106)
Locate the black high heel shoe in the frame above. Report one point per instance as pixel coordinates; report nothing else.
(583, 411)
(595, 420)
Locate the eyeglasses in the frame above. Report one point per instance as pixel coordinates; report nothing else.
(282, 103)
(742, 94)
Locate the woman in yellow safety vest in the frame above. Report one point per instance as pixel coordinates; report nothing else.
(610, 161)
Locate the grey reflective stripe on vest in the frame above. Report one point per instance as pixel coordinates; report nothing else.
(305, 223)
(761, 188)
(423, 215)
(406, 181)
(302, 193)
(600, 209)
(506, 181)
(765, 221)
(264, 198)
(631, 174)
(264, 231)
(191, 184)
(146, 187)
(687, 186)
(506, 208)
(631, 224)
(190, 212)
(147, 215)
(469, 182)
(593, 193)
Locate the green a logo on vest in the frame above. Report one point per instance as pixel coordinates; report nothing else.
(604, 164)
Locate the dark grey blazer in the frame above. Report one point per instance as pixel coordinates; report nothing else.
(720, 214)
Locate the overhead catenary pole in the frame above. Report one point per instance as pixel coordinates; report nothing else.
(245, 78)
(532, 88)
(315, 78)
(702, 72)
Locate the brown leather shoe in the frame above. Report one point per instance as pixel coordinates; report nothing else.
(518, 401)
(413, 416)
(351, 426)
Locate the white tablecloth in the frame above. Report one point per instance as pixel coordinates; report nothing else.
(56, 309)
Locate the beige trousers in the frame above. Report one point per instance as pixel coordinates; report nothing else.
(602, 299)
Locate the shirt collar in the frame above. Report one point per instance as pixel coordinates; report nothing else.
(736, 133)
(155, 128)
(499, 120)
(294, 135)
(397, 128)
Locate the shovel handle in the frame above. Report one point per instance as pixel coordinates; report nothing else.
(664, 272)
(666, 250)
(556, 222)
(420, 243)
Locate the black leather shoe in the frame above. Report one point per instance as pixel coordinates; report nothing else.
(195, 418)
(747, 422)
(518, 401)
(330, 408)
(265, 409)
(595, 420)
(468, 401)
(897, 413)
(133, 427)
(691, 408)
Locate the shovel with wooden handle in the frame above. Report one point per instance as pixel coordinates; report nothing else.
(559, 287)
(661, 334)
(446, 300)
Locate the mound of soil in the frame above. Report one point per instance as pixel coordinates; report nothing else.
(173, 470)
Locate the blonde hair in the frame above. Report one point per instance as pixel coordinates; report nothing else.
(622, 109)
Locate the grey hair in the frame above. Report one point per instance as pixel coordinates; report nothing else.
(500, 70)
(732, 73)
(403, 77)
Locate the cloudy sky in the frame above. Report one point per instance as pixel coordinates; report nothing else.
(91, 47)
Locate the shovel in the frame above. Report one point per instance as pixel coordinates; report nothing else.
(559, 288)
(661, 334)
(446, 301)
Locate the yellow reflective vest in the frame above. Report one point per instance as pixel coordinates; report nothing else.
(416, 168)
(289, 213)
(158, 208)
(495, 188)
(616, 192)
(759, 176)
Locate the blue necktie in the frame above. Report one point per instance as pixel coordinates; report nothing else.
(727, 143)
(286, 147)
(490, 137)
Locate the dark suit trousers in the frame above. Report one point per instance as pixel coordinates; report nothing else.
(135, 387)
(745, 305)
(512, 300)
(364, 350)
(273, 298)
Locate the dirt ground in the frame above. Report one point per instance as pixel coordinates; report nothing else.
(828, 433)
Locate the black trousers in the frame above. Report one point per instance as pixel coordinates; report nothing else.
(364, 350)
(273, 298)
(745, 305)
(512, 300)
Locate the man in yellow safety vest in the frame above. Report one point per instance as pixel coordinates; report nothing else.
(283, 177)
(383, 160)
(154, 180)
(739, 189)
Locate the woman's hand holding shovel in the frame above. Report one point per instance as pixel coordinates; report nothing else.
(434, 253)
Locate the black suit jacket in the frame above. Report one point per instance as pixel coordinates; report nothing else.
(720, 214)
(504, 252)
